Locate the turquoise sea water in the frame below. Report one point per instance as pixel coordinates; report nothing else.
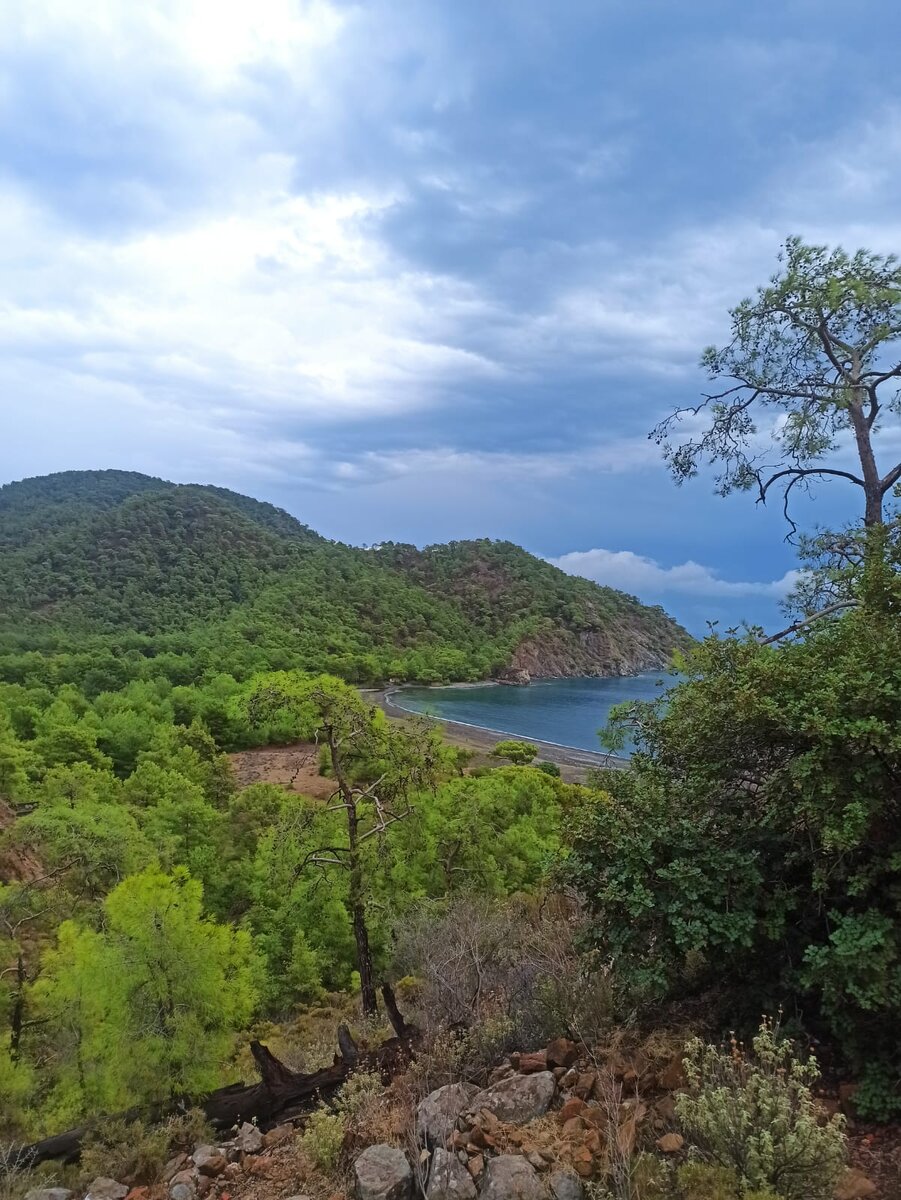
(566, 711)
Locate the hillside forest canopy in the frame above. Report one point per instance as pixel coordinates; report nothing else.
(748, 861)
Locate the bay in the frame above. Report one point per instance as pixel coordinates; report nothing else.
(567, 712)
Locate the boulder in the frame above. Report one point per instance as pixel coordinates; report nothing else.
(510, 1177)
(670, 1143)
(529, 1064)
(383, 1173)
(183, 1186)
(249, 1140)
(49, 1193)
(437, 1115)
(566, 1185)
(449, 1179)
(106, 1189)
(518, 1099)
(672, 1077)
(562, 1053)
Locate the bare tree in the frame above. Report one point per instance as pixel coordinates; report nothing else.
(812, 364)
(377, 768)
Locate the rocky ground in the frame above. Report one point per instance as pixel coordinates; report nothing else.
(544, 1126)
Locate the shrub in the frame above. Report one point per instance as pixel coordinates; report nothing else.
(549, 768)
(757, 1116)
(323, 1138)
(700, 1181)
(135, 1152)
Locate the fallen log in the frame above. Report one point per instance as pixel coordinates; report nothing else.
(280, 1095)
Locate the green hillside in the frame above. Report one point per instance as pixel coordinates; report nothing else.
(204, 579)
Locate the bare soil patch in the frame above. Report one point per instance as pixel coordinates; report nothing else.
(294, 767)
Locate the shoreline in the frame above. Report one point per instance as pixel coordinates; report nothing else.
(573, 761)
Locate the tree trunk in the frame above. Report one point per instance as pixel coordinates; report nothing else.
(355, 885)
(872, 484)
(280, 1095)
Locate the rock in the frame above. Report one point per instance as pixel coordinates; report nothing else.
(476, 1165)
(276, 1136)
(515, 677)
(449, 1178)
(437, 1115)
(670, 1143)
(534, 1159)
(528, 1064)
(182, 1186)
(383, 1173)
(249, 1140)
(566, 1185)
(672, 1077)
(562, 1053)
(209, 1160)
(49, 1193)
(574, 1127)
(574, 1107)
(570, 1079)
(501, 1072)
(846, 1094)
(301, 1197)
(173, 1166)
(510, 1177)
(584, 1085)
(518, 1099)
(665, 1108)
(106, 1189)
(854, 1185)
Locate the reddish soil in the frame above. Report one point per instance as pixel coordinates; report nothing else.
(295, 767)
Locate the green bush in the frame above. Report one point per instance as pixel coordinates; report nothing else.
(323, 1138)
(519, 753)
(549, 768)
(757, 1117)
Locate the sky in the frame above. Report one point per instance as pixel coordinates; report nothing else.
(418, 270)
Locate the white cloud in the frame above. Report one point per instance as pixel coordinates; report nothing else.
(637, 574)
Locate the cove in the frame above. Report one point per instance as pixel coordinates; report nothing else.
(568, 712)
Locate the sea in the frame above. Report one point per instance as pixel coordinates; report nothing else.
(567, 712)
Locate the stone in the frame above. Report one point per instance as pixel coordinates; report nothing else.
(300, 1197)
(846, 1094)
(583, 1161)
(449, 1179)
(854, 1185)
(670, 1143)
(49, 1193)
(276, 1136)
(562, 1052)
(518, 1099)
(209, 1160)
(106, 1189)
(574, 1107)
(436, 1116)
(529, 1064)
(584, 1085)
(181, 1191)
(534, 1159)
(249, 1140)
(383, 1173)
(573, 1128)
(510, 1177)
(672, 1077)
(173, 1166)
(570, 1079)
(665, 1108)
(566, 1185)
(501, 1072)
(476, 1165)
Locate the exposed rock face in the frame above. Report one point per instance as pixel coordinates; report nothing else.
(106, 1189)
(519, 1099)
(510, 1177)
(383, 1173)
(515, 677)
(437, 1114)
(449, 1179)
(560, 654)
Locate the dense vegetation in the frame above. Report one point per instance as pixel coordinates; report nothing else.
(113, 576)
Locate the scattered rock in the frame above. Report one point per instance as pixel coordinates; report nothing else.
(476, 1165)
(276, 1136)
(518, 1099)
(854, 1185)
(528, 1064)
(500, 1072)
(173, 1166)
(566, 1185)
(209, 1160)
(437, 1115)
(106, 1189)
(303, 1197)
(449, 1179)
(670, 1143)
(574, 1107)
(383, 1173)
(562, 1053)
(182, 1186)
(672, 1077)
(49, 1193)
(570, 1079)
(534, 1159)
(510, 1177)
(249, 1140)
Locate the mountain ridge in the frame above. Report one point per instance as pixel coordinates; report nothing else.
(114, 554)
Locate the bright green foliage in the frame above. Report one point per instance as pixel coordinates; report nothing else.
(519, 753)
(16, 1088)
(701, 1181)
(323, 1138)
(755, 845)
(757, 1116)
(160, 979)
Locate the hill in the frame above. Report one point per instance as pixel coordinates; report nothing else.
(211, 580)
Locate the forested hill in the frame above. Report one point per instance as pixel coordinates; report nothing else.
(122, 567)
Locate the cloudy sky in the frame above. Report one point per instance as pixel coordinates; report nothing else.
(422, 270)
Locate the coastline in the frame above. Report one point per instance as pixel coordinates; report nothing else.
(574, 762)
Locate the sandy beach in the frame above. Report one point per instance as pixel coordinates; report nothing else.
(573, 762)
